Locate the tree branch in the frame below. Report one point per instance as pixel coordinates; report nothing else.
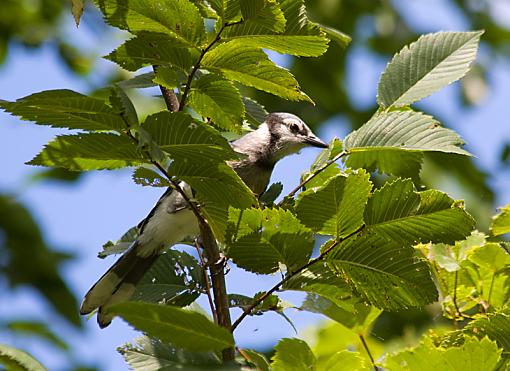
(199, 60)
(311, 262)
(315, 173)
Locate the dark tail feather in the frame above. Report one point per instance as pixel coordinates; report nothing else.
(117, 284)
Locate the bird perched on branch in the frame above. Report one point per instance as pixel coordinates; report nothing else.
(171, 220)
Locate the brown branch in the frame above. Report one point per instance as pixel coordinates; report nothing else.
(171, 101)
(276, 287)
(315, 173)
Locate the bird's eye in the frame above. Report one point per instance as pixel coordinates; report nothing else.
(294, 128)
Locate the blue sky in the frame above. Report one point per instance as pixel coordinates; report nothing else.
(103, 205)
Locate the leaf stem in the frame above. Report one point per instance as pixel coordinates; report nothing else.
(365, 345)
(459, 313)
(490, 289)
(199, 60)
(315, 173)
(311, 262)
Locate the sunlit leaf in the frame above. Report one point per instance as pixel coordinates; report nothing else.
(426, 66)
(384, 272)
(398, 212)
(152, 49)
(473, 355)
(250, 66)
(179, 19)
(336, 208)
(293, 354)
(501, 222)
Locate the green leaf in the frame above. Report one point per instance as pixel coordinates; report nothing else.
(148, 354)
(403, 131)
(250, 66)
(186, 139)
(264, 15)
(175, 278)
(501, 222)
(141, 81)
(228, 10)
(473, 355)
(337, 36)
(293, 355)
(77, 10)
(491, 256)
(330, 295)
(271, 194)
(353, 313)
(95, 151)
(384, 272)
(336, 208)
(495, 325)
(398, 213)
(120, 101)
(148, 177)
(216, 187)
(118, 247)
(405, 164)
(271, 303)
(219, 100)
(37, 329)
(255, 112)
(346, 360)
(178, 19)
(182, 328)
(426, 66)
(255, 358)
(66, 109)
(169, 77)
(152, 49)
(299, 36)
(259, 240)
(16, 359)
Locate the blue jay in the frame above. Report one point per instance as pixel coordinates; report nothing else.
(171, 220)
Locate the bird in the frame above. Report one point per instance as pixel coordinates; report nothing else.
(171, 220)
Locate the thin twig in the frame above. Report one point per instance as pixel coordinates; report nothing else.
(311, 262)
(316, 172)
(365, 345)
(199, 60)
(490, 289)
(459, 313)
(207, 282)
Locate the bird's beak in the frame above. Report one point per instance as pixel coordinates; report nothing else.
(315, 142)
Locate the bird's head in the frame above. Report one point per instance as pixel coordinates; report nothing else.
(289, 134)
